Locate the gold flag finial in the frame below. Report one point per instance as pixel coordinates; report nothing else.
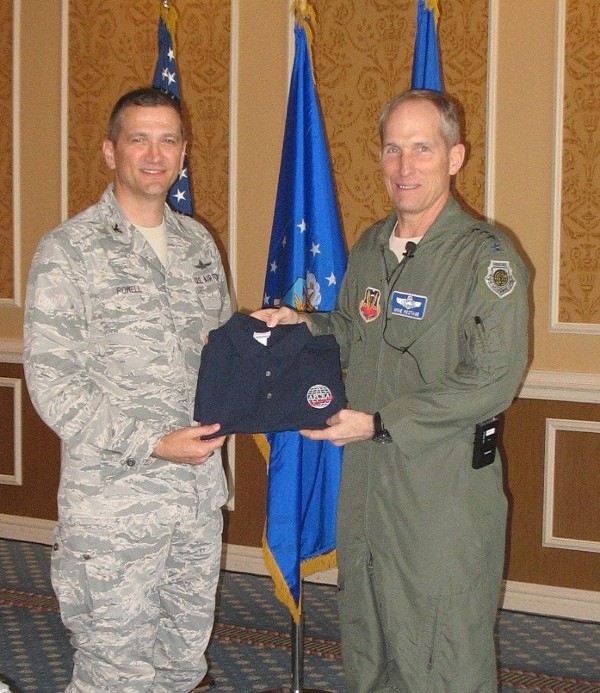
(434, 7)
(168, 14)
(304, 16)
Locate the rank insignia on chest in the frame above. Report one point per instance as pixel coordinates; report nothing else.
(500, 278)
(370, 307)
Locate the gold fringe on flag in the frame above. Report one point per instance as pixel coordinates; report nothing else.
(316, 564)
(262, 444)
(282, 591)
(168, 14)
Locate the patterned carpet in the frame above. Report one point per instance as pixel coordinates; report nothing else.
(250, 648)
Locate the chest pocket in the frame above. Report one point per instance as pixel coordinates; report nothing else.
(426, 342)
(128, 307)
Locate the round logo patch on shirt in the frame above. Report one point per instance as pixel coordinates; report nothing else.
(319, 396)
(500, 278)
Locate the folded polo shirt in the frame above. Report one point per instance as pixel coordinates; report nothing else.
(259, 379)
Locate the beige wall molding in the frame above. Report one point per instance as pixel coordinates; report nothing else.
(559, 136)
(491, 111)
(547, 600)
(64, 110)
(562, 387)
(549, 539)
(27, 529)
(11, 351)
(232, 230)
(16, 157)
(16, 478)
(517, 596)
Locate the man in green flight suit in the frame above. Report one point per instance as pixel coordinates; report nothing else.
(432, 324)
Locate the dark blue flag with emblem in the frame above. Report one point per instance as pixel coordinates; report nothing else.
(307, 260)
(426, 73)
(166, 77)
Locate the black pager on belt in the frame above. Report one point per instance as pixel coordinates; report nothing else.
(486, 438)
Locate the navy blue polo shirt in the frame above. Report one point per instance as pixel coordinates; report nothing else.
(259, 379)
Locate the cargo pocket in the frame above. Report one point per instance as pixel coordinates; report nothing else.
(459, 643)
(85, 573)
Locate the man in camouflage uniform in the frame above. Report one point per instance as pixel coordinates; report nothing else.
(120, 300)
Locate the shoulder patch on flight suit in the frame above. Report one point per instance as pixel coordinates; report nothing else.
(370, 306)
(500, 278)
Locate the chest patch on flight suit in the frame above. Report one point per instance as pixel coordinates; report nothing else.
(500, 278)
(408, 305)
(370, 307)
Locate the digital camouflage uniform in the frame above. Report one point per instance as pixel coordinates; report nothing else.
(436, 344)
(112, 350)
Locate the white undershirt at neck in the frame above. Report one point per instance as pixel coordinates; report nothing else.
(398, 245)
(157, 237)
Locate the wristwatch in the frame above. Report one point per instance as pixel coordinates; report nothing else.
(381, 434)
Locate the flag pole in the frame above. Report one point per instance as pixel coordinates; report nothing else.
(297, 638)
(306, 262)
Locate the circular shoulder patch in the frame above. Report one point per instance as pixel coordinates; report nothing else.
(500, 278)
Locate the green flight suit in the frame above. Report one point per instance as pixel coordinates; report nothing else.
(436, 344)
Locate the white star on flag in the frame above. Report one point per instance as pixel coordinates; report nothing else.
(315, 249)
(180, 195)
(331, 279)
(171, 54)
(273, 267)
(302, 226)
(183, 173)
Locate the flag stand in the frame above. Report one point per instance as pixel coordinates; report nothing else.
(297, 636)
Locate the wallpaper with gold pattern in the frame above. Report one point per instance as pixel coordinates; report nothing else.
(6, 159)
(363, 52)
(363, 56)
(579, 296)
(112, 49)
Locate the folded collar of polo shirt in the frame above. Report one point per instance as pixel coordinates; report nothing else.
(283, 341)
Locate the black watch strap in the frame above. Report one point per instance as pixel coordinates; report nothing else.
(381, 434)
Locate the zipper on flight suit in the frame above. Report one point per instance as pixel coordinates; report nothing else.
(480, 329)
(431, 658)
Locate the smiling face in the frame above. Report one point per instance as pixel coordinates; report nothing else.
(146, 157)
(417, 164)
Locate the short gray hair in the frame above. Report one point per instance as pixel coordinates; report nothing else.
(448, 109)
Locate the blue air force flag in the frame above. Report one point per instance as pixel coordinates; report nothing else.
(306, 263)
(426, 73)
